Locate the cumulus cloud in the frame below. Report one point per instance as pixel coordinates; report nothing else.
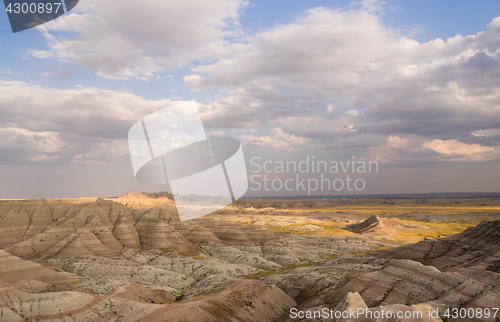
(31, 146)
(320, 51)
(383, 84)
(461, 150)
(278, 140)
(136, 39)
(333, 78)
(41, 124)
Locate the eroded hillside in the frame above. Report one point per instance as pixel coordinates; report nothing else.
(131, 259)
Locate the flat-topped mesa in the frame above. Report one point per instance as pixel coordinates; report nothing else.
(379, 226)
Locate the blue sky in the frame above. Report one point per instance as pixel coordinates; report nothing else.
(434, 19)
(388, 81)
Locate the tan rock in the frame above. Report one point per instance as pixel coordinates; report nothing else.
(7, 315)
(13, 269)
(126, 234)
(137, 292)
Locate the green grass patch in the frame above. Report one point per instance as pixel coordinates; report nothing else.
(277, 271)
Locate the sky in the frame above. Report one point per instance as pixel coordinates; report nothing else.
(412, 85)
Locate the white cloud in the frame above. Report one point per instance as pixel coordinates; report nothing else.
(326, 48)
(463, 151)
(45, 141)
(122, 39)
(41, 124)
(381, 89)
(278, 140)
(486, 133)
(215, 133)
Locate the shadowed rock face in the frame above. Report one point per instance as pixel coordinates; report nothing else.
(378, 226)
(372, 224)
(475, 248)
(458, 271)
(409, 282)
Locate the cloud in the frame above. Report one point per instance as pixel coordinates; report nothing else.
(136, 39)
(41, 124)
(278, 140)
(341, 74)
(26, 145)
(474, 152)
(486, 133)
(335, 78)
(323, 49)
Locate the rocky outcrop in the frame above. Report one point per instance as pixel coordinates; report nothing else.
(126, 234)
(200, 235)
(23, 220)
(476, 248)
(132, 195)
(48, 228)
(234, 255)
(353, 302)
(243, 300)
(128, 271)
(410, 283)
(161, 194)
(156, 233)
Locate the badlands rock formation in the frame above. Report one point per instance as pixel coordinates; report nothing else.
(475, 248)
(99, 261)
(379, 226)
(13, 269)
(252, 300)
(458, 271)
(103, 260)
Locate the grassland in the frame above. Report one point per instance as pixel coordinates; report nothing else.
(415, 219)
